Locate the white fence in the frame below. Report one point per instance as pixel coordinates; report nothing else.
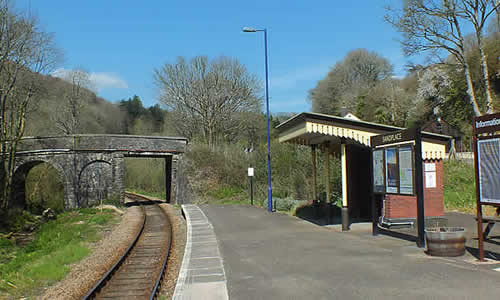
(464, 156)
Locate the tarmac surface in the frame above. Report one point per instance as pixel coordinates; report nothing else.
(276, 256)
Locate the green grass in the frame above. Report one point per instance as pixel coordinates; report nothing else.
(47, 259)
(224, 192)
(224, 195)
(459, 189)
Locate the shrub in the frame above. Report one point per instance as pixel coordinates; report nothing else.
(285, 204)
(217, 172)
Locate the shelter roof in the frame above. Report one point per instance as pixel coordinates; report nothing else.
(315, 129)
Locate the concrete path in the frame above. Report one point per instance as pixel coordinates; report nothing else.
(202, 272)
(275, 256)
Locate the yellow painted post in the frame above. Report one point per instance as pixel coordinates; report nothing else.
(328, 183)
(313, 156)
(345, 208)
(327, 172)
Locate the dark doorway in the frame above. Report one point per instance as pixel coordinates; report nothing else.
(358, 183)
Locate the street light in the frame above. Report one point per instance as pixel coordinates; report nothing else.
(269, 189)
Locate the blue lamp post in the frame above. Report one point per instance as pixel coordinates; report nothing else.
(269, 188)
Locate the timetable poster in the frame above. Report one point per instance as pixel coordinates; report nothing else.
(405, 171)
(489, 170)
(378, 171)
(391, 170)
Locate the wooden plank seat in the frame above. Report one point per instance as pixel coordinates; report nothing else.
(490, 222)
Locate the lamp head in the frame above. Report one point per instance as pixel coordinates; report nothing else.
(249, 29)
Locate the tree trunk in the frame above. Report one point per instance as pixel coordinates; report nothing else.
(486, 78)
(470, 90)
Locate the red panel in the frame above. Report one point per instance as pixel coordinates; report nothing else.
(398, 206)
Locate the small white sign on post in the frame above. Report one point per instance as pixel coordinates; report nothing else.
(250, 172)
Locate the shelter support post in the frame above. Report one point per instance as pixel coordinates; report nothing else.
(345, 208)
(313, 156)
(168, 178)
(327, 183)
(374, 200)
(327, 172)
(419, 180)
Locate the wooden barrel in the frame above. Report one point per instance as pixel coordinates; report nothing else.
(445, 241)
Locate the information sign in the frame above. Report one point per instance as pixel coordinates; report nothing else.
(378, 171)
(250, 172)
(430, 175)
(405, 171)
(489, 170)
(391, 170)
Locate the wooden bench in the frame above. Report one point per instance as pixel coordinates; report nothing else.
(490, 221)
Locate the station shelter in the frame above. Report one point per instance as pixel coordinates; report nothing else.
(350, 137)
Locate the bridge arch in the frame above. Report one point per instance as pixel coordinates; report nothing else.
(21, 171)
(92, 165)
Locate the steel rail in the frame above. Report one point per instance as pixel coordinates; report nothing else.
(109, 274)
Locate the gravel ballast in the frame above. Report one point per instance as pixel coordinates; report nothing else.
(174, 263)
(105, 253)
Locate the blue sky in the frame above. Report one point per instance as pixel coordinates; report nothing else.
(121, 42)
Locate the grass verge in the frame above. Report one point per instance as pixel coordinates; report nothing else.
(459, 190)
(47, 259)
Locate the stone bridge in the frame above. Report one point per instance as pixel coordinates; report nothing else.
(91, 167)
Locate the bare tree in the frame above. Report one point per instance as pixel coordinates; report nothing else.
(497, 11)
(436, 25)
(433, 26)
(68, 117)
(477, 12)
(24, 52)
(208, 96)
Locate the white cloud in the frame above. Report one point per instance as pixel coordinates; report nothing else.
(99, 80)
(107, 80)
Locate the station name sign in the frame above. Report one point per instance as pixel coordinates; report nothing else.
(393, 137)
(487, 123)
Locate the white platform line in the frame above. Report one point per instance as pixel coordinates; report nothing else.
(199, 219)
(207, 275)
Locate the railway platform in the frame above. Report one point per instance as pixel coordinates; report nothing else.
(276, 256)
(202, 272)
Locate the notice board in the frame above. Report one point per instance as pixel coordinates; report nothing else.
(394, 170)
(489, 170)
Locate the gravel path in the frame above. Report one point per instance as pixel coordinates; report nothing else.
(105, 253)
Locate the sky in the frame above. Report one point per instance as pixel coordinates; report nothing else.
(121, 42)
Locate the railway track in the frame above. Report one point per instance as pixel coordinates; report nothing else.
(138, 273)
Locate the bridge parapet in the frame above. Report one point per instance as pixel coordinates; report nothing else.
(105, 142)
